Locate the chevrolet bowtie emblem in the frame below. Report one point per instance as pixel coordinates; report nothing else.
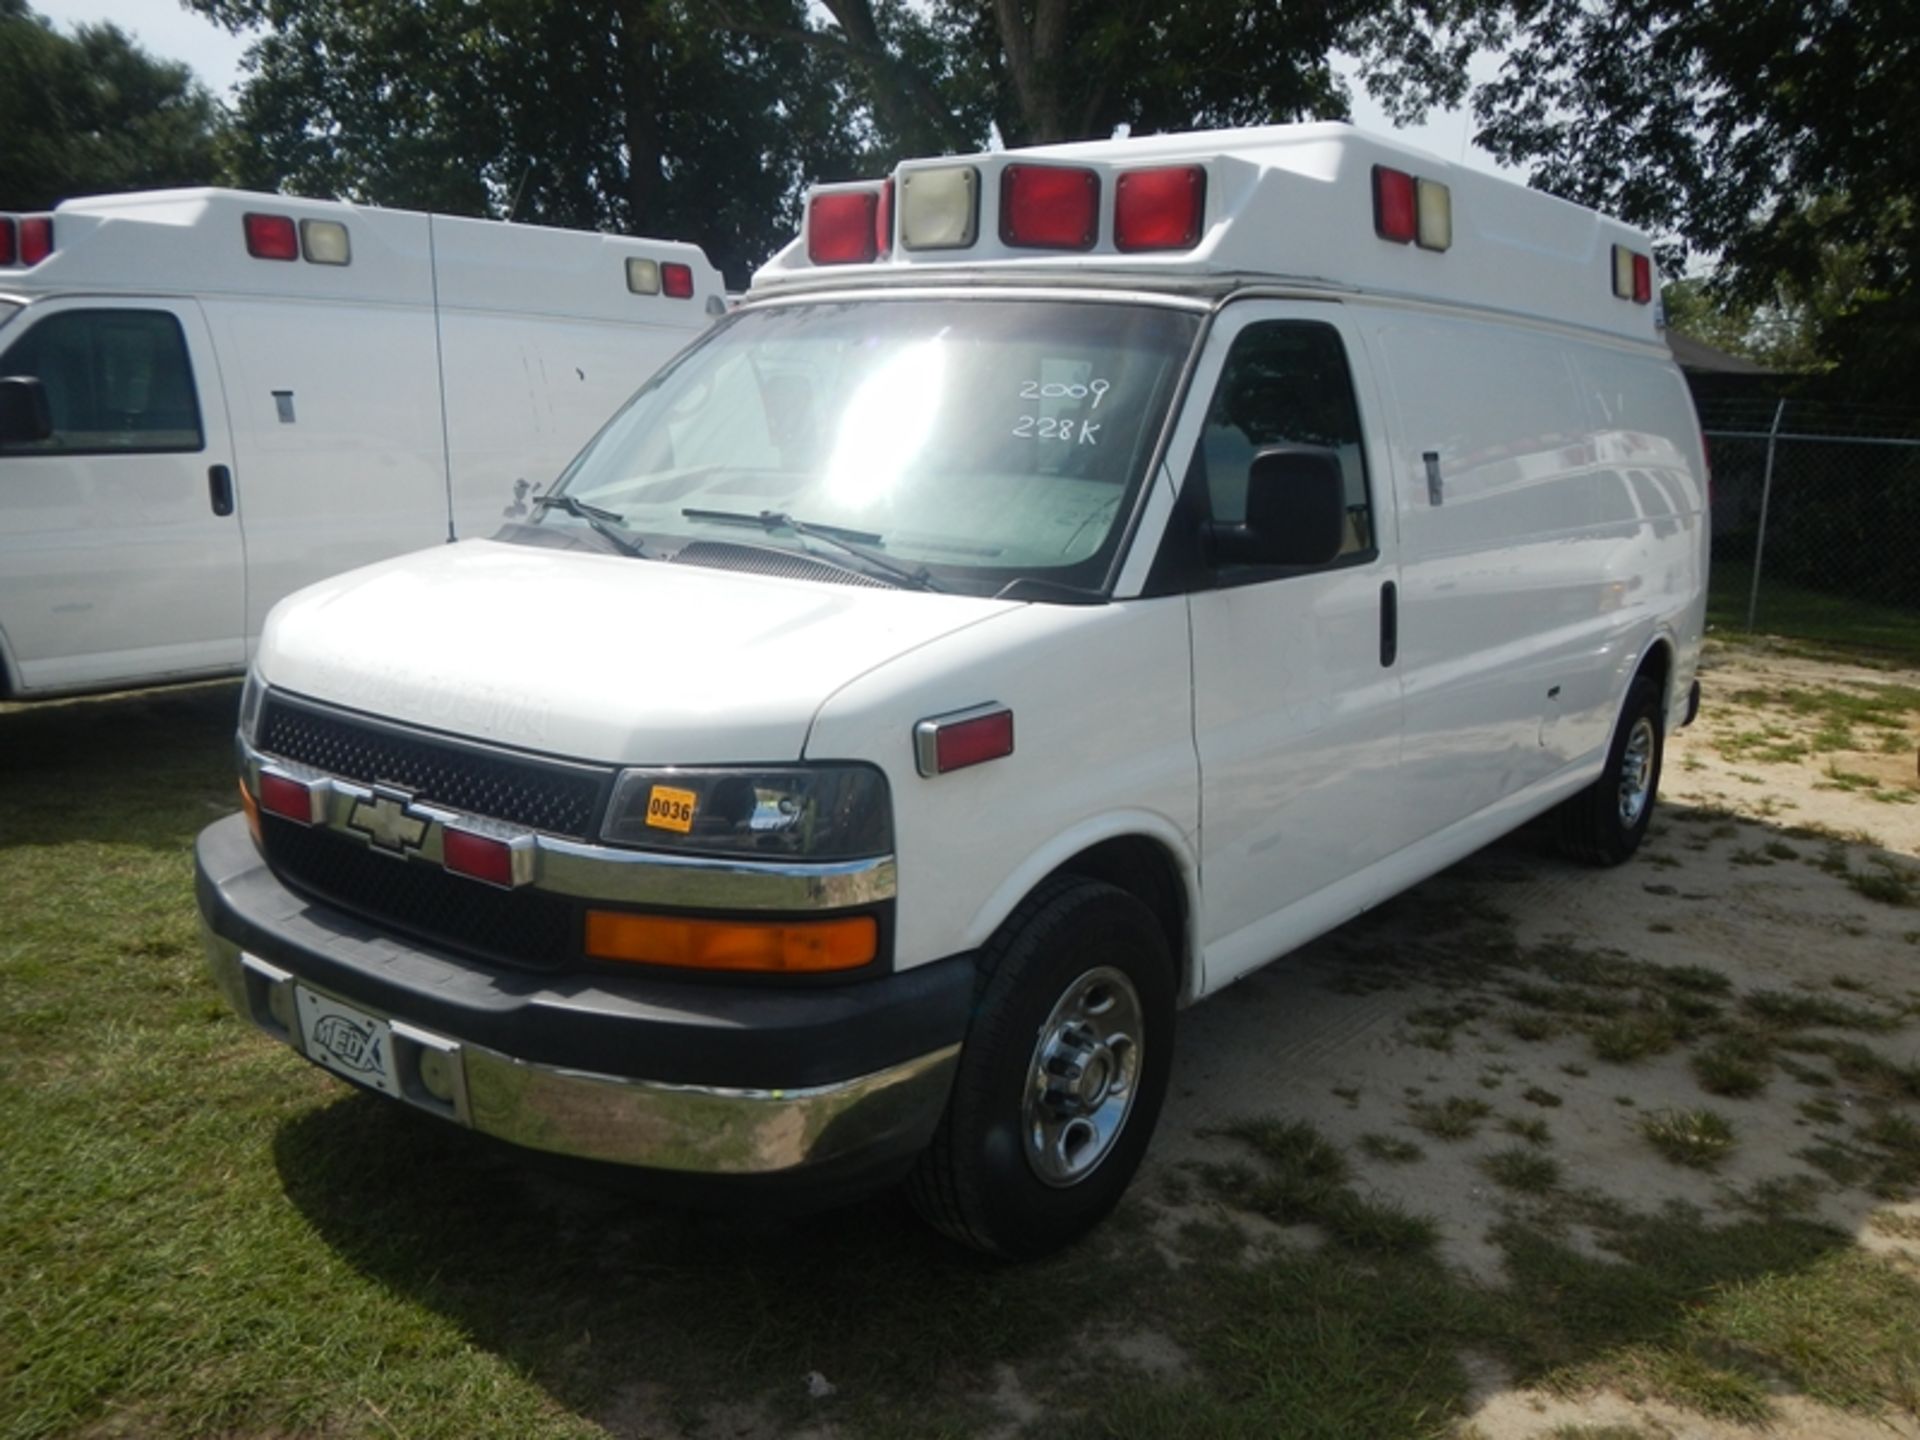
(387, 822)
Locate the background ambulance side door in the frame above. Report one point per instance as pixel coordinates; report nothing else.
(120, 550)
(1297, 707)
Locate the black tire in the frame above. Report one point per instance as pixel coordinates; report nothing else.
(1592, 826)
(976, 1182)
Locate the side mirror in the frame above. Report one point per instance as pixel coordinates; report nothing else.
(24, 416)
(1296, 510)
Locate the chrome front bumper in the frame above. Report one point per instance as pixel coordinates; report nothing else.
(690, 1129)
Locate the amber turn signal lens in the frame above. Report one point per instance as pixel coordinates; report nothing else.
(781, 947)
(251, 808)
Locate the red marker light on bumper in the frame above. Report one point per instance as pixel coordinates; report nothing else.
(481, 857)
(286, 797)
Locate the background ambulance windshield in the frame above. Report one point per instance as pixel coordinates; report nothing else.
(980, 439)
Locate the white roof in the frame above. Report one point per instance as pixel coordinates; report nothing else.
(1294, 203)
(193, 242)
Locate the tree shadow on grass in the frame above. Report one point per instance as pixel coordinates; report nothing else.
(147, 769)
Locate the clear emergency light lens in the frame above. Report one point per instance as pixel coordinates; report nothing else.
(1395, 210)
(1642, 279)
(271, 237)
(940, 208)
(6, 240)
(1623, 272)
(324, 242)
(1049, 207)
(842, 226)
(1159, 209)
(643, 276)
(36, 239)
(677, 281)
(1434, 202)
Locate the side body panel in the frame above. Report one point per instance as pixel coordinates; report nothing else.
(114, 565)
(1552, 521)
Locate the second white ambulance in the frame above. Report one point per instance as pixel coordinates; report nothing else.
(1073, 578)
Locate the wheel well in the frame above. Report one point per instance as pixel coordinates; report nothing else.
(1145, 870)
(1657, 666)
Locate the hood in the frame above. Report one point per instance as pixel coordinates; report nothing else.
(595, 657)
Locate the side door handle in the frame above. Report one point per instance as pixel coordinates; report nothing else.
(1389, 623)
(220, 489)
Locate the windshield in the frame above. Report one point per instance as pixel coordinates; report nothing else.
(978, 441)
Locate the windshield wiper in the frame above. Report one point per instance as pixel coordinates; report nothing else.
(854, 542)
(606, 523)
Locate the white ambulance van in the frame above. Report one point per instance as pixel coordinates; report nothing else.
(209, 399)
(1073, 578)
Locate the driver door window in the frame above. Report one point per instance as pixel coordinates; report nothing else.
(1286, 382)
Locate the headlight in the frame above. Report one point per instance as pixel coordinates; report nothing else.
(801, 812)
(251, 696)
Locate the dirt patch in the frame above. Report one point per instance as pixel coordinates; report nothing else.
(1709, 1030)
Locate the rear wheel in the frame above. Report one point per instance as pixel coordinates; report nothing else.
(1061, 1077)
(1605, 823)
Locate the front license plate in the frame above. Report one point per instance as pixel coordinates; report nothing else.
(347, 1041)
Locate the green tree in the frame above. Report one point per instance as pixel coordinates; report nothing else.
(93, 112)
(633, 115)
(1773, 135)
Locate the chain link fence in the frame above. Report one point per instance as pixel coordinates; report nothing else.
(1816, 521)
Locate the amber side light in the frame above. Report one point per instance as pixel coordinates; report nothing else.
(251, 809)
(781, 947)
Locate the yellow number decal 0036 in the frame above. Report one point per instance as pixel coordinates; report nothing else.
(669, 809)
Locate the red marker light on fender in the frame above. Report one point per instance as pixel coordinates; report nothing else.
(966, 737)
(480, 857)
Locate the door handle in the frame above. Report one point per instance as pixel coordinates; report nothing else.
(1389, 623)
(220, 489)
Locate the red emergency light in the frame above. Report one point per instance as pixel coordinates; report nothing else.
(36, 238)
(1049, 207)
(6, 240)
(1396, 214)
(1159, 209)
(843, 227)
(883, 220)
(676, 280)
(271, 237)
(286, 797)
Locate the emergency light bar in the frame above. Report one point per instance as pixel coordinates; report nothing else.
(1632, 275)
(25, 239)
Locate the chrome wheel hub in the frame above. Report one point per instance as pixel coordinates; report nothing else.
(1080, 1086)
(1636, 773)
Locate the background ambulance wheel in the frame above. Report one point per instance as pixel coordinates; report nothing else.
(1605, 823)
(1061, 1076)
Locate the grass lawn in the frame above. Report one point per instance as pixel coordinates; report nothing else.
(1830, 623)
(200, 1235)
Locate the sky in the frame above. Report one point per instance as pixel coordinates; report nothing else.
(170, 31)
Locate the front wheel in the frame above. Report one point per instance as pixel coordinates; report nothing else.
(1061, 1076)
(1605, 823)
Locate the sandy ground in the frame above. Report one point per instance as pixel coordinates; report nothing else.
(1705, 891)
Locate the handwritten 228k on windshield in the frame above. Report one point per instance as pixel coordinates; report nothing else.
(1062, 428)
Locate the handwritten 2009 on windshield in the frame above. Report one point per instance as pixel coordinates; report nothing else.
(1063, 428)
